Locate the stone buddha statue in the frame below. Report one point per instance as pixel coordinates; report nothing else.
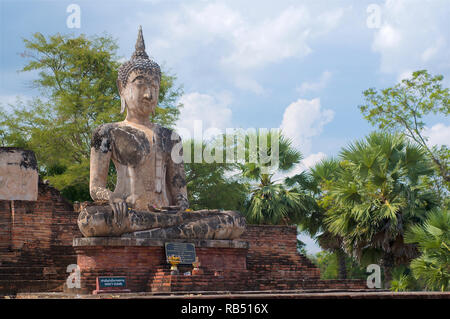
(150, 197)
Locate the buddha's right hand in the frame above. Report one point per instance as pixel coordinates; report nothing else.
(119, 210)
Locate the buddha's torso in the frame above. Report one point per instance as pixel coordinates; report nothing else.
(140, 155)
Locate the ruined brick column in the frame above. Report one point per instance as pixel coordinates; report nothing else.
(37, 226)
(18, 174)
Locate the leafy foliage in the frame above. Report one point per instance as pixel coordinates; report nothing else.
(377, 195)
(400, 283)
(271, 202)
(274, 204)
(433, 239)
(403, 108)
(328, 262)
(316, 183)
(212, 185)
(402, 280)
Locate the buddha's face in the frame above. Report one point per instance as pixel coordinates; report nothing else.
(141, 93)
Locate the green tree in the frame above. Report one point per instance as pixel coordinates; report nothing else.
(315, 184)
(77, 84)
(403, 280)
(308, 186)
(403, 108)
(400, 281)
(377, 195)
(212, 185)
(329, 265)
(433, 239)
(271, 202)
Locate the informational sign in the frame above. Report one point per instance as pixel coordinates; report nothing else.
(112, 282)
(186, 252)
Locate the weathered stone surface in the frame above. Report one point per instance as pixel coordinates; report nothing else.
(101, 220)
(18, 174)
(150, 196)
(150, 242)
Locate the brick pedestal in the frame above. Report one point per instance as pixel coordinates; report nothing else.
(143, 262)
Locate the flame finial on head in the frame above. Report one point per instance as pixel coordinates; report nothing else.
(139, 61)
(140, 46)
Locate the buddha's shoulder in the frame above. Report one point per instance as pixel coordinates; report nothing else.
(104, 130)
(165, 133)
(101, 136)
(106, 127)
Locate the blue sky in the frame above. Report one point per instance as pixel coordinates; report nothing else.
(298, 65)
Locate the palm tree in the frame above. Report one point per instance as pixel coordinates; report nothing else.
(317, 182)
(377, 195)
(273, 204)
(433, 239)
(271, 201)
(306, 185)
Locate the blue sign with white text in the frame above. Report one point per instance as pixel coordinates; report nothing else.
(112, 282)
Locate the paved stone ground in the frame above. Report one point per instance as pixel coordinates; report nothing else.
(292, 294)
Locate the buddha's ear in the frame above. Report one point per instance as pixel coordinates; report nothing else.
(123, 104)
(119, 86)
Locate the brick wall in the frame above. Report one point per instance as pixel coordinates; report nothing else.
(146, 267)
(5, 225)
(36, 242)
(273, 252)
(36, 248)
(275, 263)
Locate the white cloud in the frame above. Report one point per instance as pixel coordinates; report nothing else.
(241, 44)
(192, 28)
(315, 86)
(438, 134)
(245, 82)
(386, 38)
(433, 50)
(287, 35)
(213, 112)
(312, 160)
(413, 36)
(303, 120)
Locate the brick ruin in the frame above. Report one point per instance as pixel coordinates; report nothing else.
(38, 227)
(272, 263)
(36, 242)
(36, 247)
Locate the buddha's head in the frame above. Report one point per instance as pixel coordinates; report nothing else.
(138, 82)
